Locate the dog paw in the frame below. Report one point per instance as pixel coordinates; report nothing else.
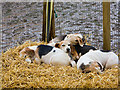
(28, 60)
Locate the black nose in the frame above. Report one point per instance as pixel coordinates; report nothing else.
(87, 71)
(83, 72)
(82, 66)
(68, 50)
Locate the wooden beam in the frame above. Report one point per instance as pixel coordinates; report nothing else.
(51, 33)
(44, 21)
(106, 26)
(52, 30)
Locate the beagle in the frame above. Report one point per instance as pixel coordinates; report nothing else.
(96, 60)
(48, 55)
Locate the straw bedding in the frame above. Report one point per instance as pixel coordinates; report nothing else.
(16, 73)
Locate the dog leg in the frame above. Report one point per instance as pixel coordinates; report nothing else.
(38, 61)
(73, 63)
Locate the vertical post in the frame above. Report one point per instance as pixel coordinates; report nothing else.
(119, 27)
(48, 31)
(106, 26)
(1, 45)
(44, 21)
(52, 31)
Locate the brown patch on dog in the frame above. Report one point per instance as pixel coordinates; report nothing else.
(81, 43)
(37, 57)
(27, 51)
(57, 45)
(92, 67)
(74, 53)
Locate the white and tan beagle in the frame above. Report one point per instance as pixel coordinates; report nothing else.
(97, 60)
(48, 55)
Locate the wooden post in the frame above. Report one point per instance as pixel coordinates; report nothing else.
(52, 31)
(44, 21)
(52, 25)
(106, 26)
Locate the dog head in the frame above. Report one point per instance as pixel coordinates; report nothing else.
(75, 39)
(27, 52)
(64, 45)
(92, 66)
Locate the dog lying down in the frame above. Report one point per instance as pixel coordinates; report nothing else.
(96, 60)
(47, 54)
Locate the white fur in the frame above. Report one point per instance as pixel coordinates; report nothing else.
(51, 44)
(58, 57)
(65, 47)
(107, 59)
(67, 37)
(33, 47)
(28, 60)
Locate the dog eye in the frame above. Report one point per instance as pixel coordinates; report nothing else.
(81, 41)
(63, 45)
(76, 40)
(68, 44)
(90, 62)
(72, 54)
(25, 56)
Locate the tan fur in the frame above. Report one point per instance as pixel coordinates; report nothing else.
(74, 53)
(74, 39)
(81, 43)
(92, 67)
(28, 52)
(37, 59)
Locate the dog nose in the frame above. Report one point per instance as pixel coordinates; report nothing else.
(68, 50)
(87, 71)
(82, 66)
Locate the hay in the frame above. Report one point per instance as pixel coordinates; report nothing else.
(16, 73)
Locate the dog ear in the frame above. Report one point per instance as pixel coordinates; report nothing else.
(80, 42)
(57, 45)
(74, 52)
(28, 50)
